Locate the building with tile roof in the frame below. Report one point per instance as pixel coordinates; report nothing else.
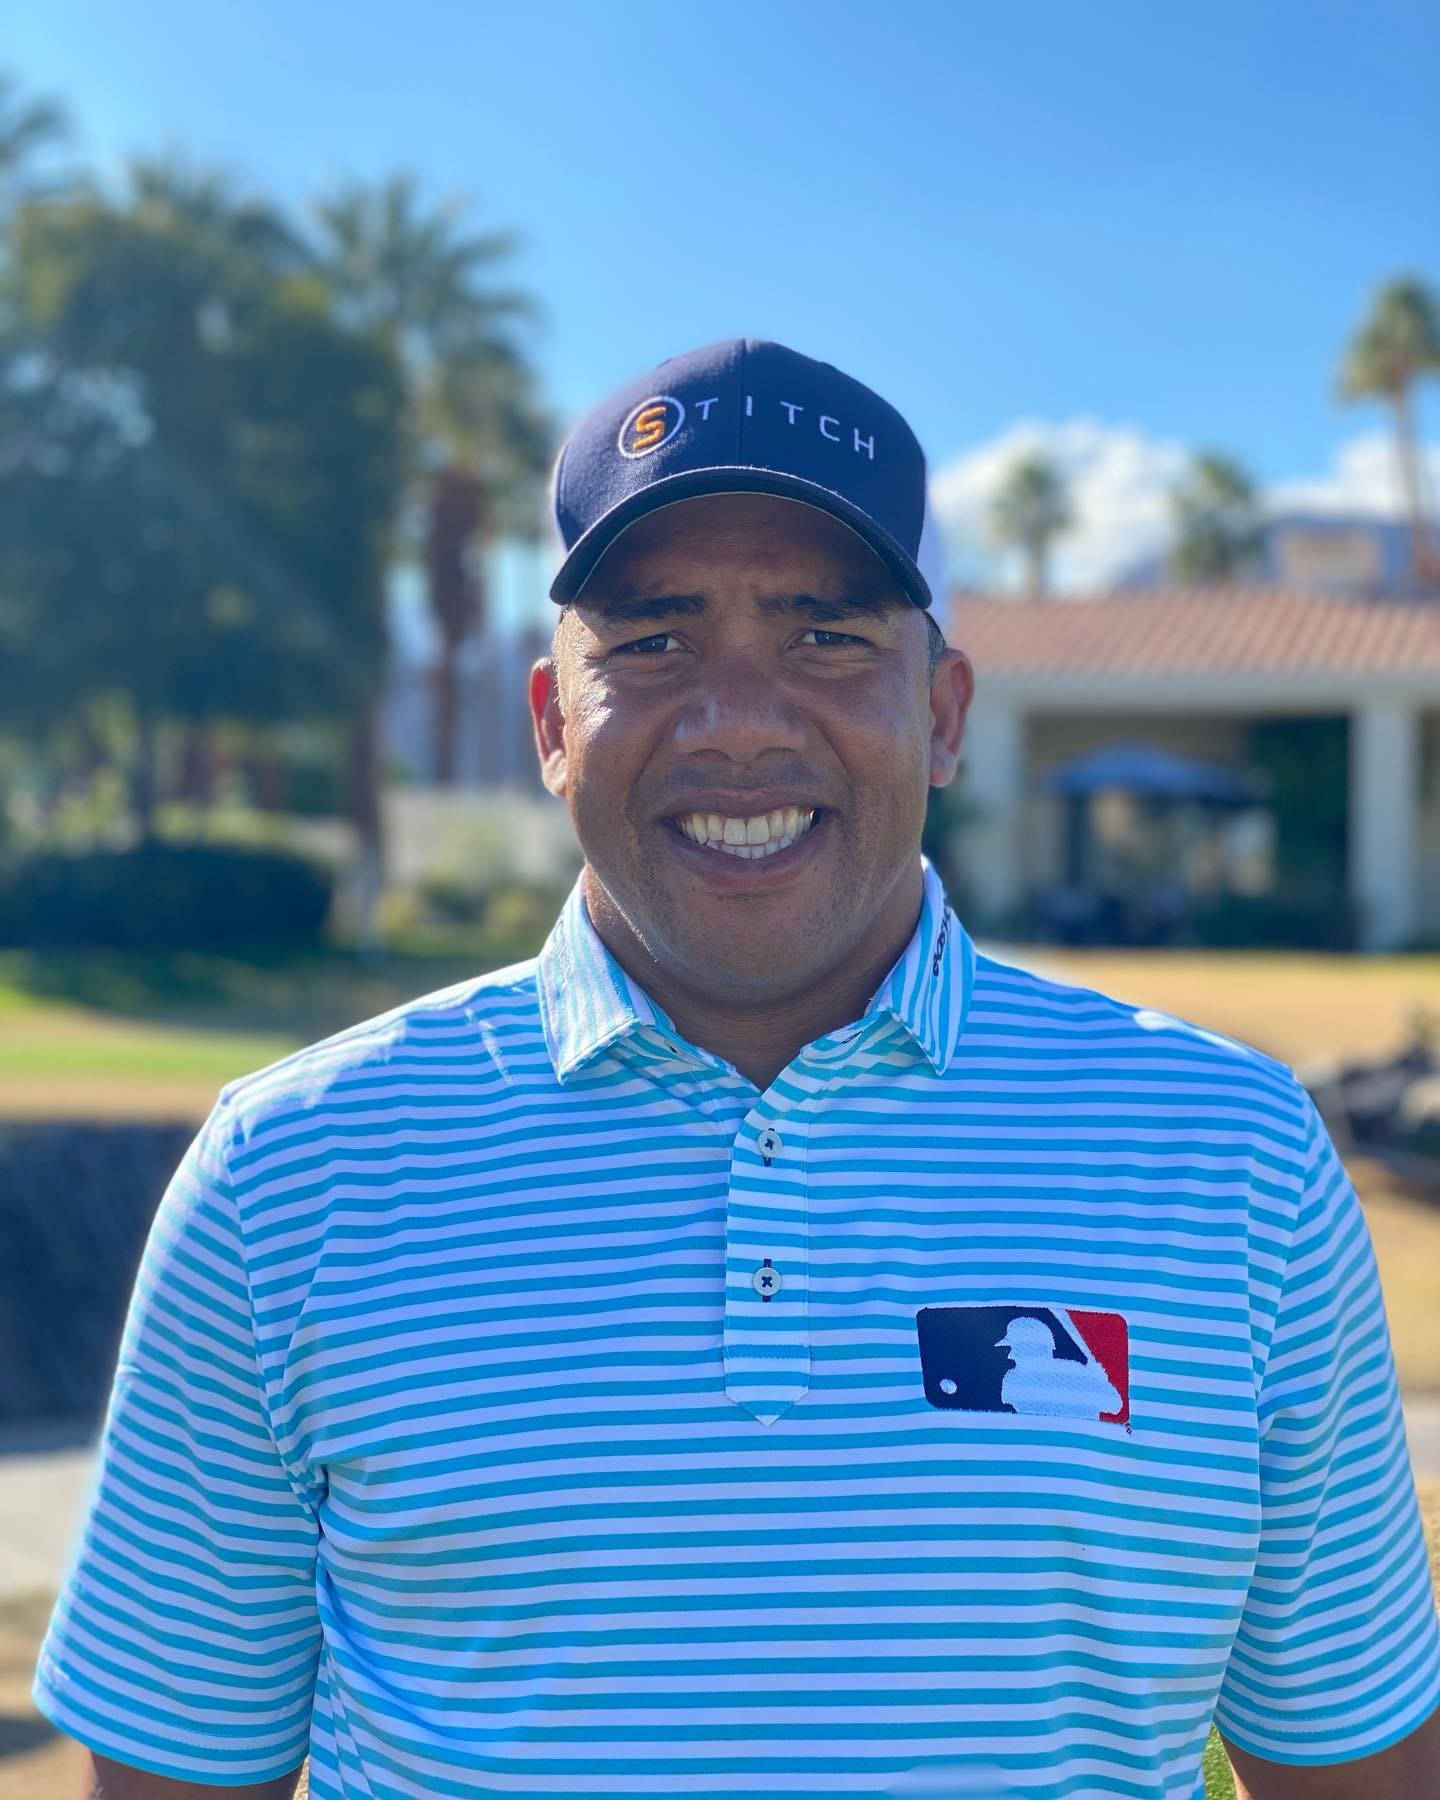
(1193, 671)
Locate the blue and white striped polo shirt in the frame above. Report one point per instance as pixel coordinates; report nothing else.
(515, 1400)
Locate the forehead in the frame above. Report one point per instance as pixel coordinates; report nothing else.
(718, 541)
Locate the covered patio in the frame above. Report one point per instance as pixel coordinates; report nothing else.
(1143, 837)
(1189, 673)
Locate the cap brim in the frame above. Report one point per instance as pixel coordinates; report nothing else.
(580, 563)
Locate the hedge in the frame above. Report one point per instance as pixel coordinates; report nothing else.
(164, 897)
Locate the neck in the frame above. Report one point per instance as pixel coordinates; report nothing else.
(762, 1037)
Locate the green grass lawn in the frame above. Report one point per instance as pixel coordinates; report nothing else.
(76, 1020)
(1219, 1782)
(104, 1034)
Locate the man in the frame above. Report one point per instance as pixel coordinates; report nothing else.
(587, 1381)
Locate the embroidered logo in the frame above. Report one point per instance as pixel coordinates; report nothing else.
(1050, 1360)
(940, 943)
(649, 425)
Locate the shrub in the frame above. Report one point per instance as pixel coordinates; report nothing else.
(1275, 921)
(452, 900)
(312, 787)
(521, 914)
(165, 897)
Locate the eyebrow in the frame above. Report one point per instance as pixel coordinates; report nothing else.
(624, 609)
(842, 606)
(663, 606)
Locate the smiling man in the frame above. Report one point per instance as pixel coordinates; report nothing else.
(745, 714)
(762, 1346)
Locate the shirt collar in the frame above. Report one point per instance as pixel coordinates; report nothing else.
(928, 991)
(587, 1001)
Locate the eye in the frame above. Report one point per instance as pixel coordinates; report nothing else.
(825, 640)
(654, 645)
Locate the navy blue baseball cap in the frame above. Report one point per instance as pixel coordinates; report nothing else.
(747, 417)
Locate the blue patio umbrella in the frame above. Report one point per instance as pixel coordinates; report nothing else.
(1157, 774)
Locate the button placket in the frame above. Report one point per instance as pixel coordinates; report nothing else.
(767, 1344)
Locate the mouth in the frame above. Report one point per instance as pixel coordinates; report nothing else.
(751, 837)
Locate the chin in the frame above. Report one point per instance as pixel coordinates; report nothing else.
(747, 959)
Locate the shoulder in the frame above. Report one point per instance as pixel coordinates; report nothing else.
(1055, 1021)
(464, 1033)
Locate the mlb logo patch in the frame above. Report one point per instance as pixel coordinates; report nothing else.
(1051, 1360)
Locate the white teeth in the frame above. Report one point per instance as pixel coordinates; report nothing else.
(761, 835)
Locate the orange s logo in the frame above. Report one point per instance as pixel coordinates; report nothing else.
(648, 429)
(649, 425)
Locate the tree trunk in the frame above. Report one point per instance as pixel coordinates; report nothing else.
(1035, 569)
(142, 780)
(1424, 559)
(368, 821)
(197, 764)
(447, 709)
(459, 510)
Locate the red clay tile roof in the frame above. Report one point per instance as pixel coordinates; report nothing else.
(1196, 630)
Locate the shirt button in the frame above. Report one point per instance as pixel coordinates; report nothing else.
(766, 1280)
(770, 1142)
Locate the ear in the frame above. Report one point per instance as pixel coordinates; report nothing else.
(549, 724)
(951, 690)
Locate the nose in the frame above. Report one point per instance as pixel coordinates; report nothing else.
(740, 709)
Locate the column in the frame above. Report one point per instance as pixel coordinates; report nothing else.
(993, 776)
(1384, 799)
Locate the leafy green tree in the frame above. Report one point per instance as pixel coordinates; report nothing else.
(30, 128)
(1218, 525)
(479, 440)
(197, 512)
(1396, 345)
(1031, 509)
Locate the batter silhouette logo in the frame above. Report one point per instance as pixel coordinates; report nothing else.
(650, 424)
(1055, 1361)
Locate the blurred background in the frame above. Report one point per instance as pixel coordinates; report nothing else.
(295, 307)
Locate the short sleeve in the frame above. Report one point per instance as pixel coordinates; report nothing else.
(186, 1637)
(1337, 1654)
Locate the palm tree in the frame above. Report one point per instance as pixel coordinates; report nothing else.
(1398, 342)
(1217, 520)
(495, 445)
(27, 128)
(479, 439)
(1032, 507)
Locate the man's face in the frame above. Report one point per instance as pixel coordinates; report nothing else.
(741, 667)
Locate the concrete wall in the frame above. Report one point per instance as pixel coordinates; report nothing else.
(1428, 829)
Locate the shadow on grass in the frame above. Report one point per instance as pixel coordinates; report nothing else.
(19, 1734)
(305, 995)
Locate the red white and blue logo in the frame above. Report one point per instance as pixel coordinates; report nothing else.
(1054, 1361)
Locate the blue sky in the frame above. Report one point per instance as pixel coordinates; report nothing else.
(1119, 230)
